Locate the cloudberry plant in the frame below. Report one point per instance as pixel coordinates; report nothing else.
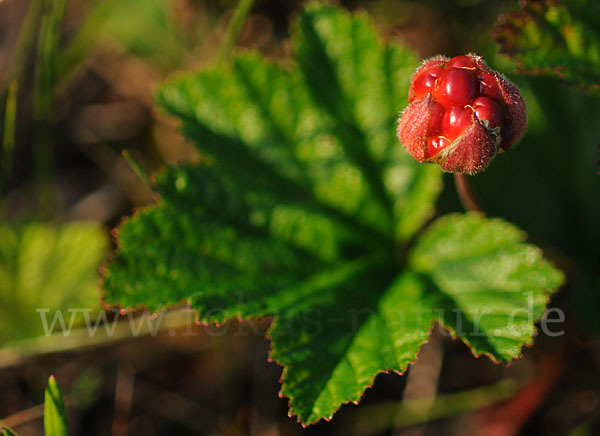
(461, 113)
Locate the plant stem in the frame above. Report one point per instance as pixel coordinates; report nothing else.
(25, 43)
(8, 139)
(45, 77)
(423, 379)
(137, 168)
(466, 194)
(377, 418)
(234, 29)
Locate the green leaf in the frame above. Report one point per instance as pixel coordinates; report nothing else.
(302, 210)
(332, 351)
(5, 431)
(500, 284)
(473, 275)
(558, 39)
(362, 86)
(55, 416)
(189, 261)
(49, 269)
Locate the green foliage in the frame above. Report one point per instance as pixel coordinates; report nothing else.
(483, 268)
(303, 210)
(44, 267)
(554, 189)
(55, 416)
(559, 39)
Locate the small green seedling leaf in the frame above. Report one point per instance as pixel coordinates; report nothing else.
(5, 431)
(55, 416)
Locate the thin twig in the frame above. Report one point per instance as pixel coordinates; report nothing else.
(466, 194)
(376, 418)
(123, 399)
(423, 379)
(120, 329)
(137, 168)
(31, 414)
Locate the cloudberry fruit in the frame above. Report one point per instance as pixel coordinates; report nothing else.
(435, 144)
(456, 120)
(465, 62)
(425, 82)
(461, 113)
(436, 115)
(456, 87)
(488, 86)
(488, 110)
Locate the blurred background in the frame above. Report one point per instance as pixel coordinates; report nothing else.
(76, 89)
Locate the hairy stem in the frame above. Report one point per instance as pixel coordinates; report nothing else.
(465, 193)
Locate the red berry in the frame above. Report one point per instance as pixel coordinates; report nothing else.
(463, 103)
(456, 120)
(465, 62)
(486, 109)
(435, 145)
(434, 125)
(456, 87)
(488, 85)
(425, 83)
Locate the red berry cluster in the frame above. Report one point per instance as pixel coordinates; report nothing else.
(461, 114)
